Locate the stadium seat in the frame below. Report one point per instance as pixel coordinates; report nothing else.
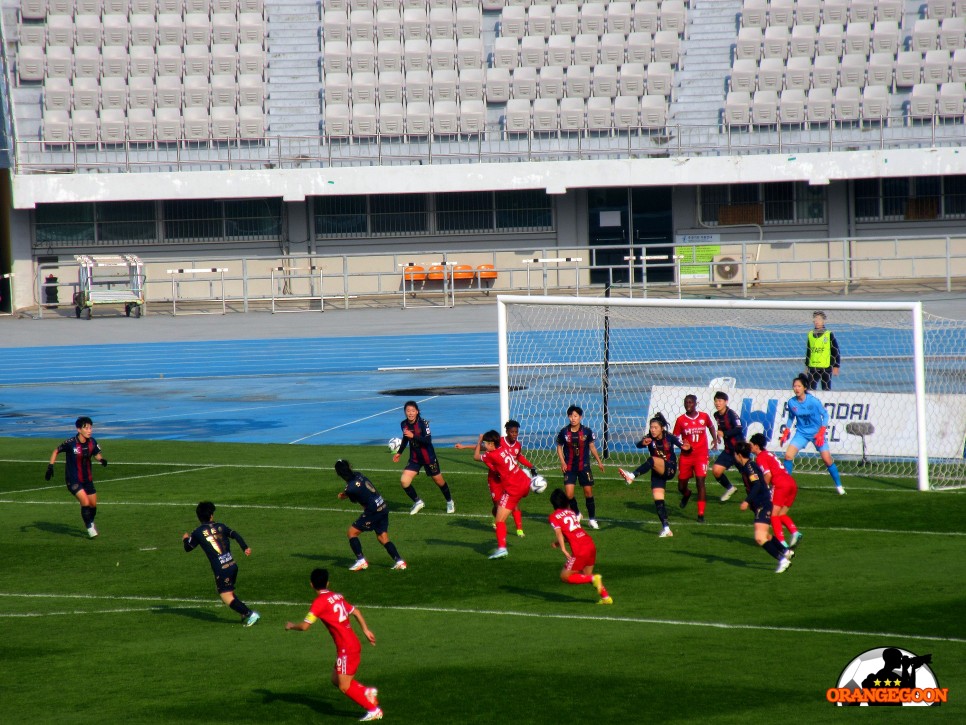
(224, 61)
(197, 92)
(593, 18)
(925, 35)
(115, 62)
(34, 35)
(391, 87)
(197, 6)
(140, 125)
(798, 73)
(639, 48)
(87, 62)
(801, 43)
(362, 56)
(419, 84)
(952, 33)
(197, 29)
(674, 16)
(472, 82)
(646, 17)
(940, 9)
(653, 112)
(472, 117)
(335, 26)
(506, 52)
(442, 23)
(566, 19)
(875, 104)
(418, 118)
(852, 71)
(660, 79)
(57, 94)
(533, 51)
(825, 72)
(908, 69)
(819, 107)
(619, 18)
(550, 83)
(880, 70)
(415, 24)
(392, 119)
(585, 50)
(86, 94)
(166, 124)
(885, 37)
(791, 107)
(224, 122)
(748, 44)
(88, 30)
(764, 108)
(861, 11)
(224, 92)
(890, 10)
(166, 6)
(33, 9)
(56, 127)
(577, 83)
(197, 61)
(830, 39)
(115, 31)
(559, 50)
(144, 31)
(572, 114)
(611, 48)
(545, 118)
(808, 13)
(858, 39)
(524, 83)
(835, 11)
(516, 117)
(600, 115)
(604, 81)
(771, 74)
(950, 100)
(251, 29)
(335, 56)
(59, 62)
(468, 23)
(446, 121)
(667, 47)
(60, 7)
(442, 54)
(170, 30)
(497, 85)
(738, 108)
(362, 26)
(445, 85)
(633, 79)
(775, 42)
(513, 22)
(364, 87)
(957, 69)
(847, 104)
(141, 92)
(365, 119)
(469, 53)
(60, 31)
(83, 126)
(169, 92)
(389, 55)
(922, 101)
(627, 112)
(170, 61)
(936, 66)
(337, 120)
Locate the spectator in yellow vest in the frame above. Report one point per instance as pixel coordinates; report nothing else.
(822, 358)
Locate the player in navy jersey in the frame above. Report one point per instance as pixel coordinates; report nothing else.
(730, 431)
(80, 451)
(422, 455)
(375, 515)
(810, 419)
(759, 501)
(213, 538)
(663, 465)
(575, 446)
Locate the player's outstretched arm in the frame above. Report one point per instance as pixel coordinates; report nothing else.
(365, 630)
(300, 627)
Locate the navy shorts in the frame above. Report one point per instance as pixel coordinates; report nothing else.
(225, 579)
(725, 459)
(763, 515)
(584, 478)
(657, 481)
(378, 522)
(432, 468)
(87, 488)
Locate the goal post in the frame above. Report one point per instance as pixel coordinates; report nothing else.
(897, 410)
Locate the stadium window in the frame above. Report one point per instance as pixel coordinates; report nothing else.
(525, 210)
(127, 221)
(197, 219)
(464, 212)
(779, 202)
(394, 214)
(768, 204)
(867, 199)
(341, 216)
(64, 224)
(954, 196)
(895, 198)
(253, 219)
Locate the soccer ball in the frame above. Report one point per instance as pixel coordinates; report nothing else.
(394, 444)
(538, 484)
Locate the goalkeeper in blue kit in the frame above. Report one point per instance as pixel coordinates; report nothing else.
(810, 419)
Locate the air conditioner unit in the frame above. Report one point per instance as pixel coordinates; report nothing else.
(726, 269)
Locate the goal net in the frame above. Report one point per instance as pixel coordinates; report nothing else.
(897, 409)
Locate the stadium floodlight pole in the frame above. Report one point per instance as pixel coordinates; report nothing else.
(913, 309)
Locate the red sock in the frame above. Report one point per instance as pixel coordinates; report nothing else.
(357, 693)
(501, 534)
(701, 505)
(576, 578)
(776, 525)
(603, 592)
(518, 519)
(789, 524)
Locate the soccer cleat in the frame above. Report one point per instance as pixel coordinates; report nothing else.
(840, 490)
(784, 563)
(399, 565)
(520, 533)
(450, 507)
(372, 715)
(796, 537)
(251, 619)
(628, 477)
(606, 600)
(417, 507)
(372, 695)
(685, 498)
(592, 523)
(728, 494)
(701, 519)
(92, 531)
(790, 553)
(665, 533)
(359, 565)
(598, 582)
(500, 553)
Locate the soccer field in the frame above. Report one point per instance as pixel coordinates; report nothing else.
(129, 628)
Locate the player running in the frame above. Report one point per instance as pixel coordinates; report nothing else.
(80, 450)
(730, 431)
(334, 611)
(375, 515)
(416, 435)
(510, 441)
(575, 446)
(810, 419)
(784, 490)
(213, 538)
(663, 465)
(514, 483)
(759, 501)
(579, 565)
(691, 427)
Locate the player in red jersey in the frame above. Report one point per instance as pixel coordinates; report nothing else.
(691, 427)
(579, 567)
(784, 490)
(514, 483)
(334, 611)
(510, 441)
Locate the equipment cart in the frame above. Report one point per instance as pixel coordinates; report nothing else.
(109, 280)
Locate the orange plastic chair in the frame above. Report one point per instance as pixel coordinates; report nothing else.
(486, 271)
(414, 273)
(437, 272)
(462, 271)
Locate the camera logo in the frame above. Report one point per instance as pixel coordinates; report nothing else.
(888, 676)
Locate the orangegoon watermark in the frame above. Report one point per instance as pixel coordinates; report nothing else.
(888, 676)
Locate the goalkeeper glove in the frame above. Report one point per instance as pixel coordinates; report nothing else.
(784, 436)
(50, 472)
(820, 437)
(103, 461)
(533, 472)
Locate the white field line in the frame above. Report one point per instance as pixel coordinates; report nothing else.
(126, 478)
(163, 603)
(648, 523)
(353, 422)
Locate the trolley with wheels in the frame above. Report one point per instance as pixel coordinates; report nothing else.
(109, 280)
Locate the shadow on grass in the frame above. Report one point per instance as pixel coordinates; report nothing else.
(555, 597)
(745, 539)
(195, 614)
(311, 557)
(476, 524)
(484, 547)
(49, 527)
(316, 704)
(715, 559)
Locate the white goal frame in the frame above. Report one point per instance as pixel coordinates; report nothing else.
(912, 309)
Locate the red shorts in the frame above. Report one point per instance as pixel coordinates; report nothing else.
(784, 495)
(511, 499)
(583, 557)
(692, 466)
(347, 661)
(496, 490)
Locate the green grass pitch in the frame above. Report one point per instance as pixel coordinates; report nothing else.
(128, 628)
